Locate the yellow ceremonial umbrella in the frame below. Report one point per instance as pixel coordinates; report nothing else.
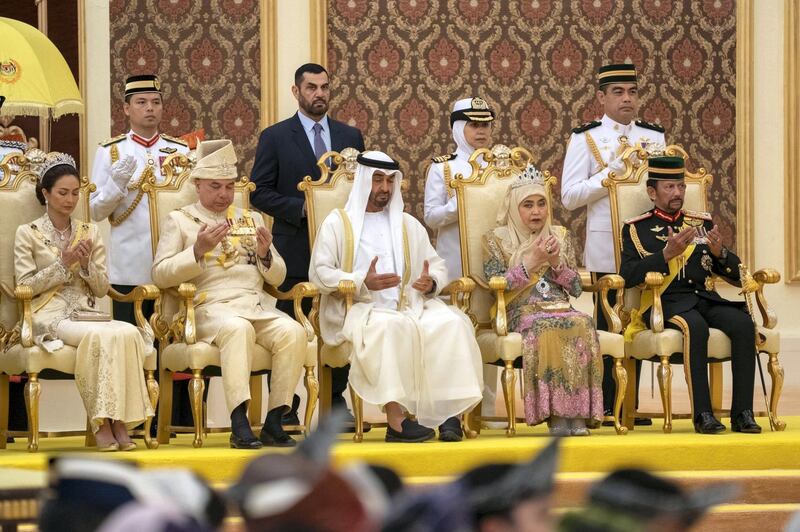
(34, 76)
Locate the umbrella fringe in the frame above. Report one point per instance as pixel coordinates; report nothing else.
(31, 109)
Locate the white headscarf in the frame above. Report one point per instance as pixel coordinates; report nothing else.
(516, 237)
(463, 148)
(356, 205)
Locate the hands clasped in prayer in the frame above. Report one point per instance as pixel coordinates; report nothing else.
(79, 253)
(546, 249)
(209, 237)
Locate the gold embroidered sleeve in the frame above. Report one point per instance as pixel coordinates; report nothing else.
(25, 269)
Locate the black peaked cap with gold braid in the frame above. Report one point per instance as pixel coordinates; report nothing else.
(616, 73)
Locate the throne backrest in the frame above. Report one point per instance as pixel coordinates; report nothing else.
(479, 197)
(18, 205)
(331, 190)
(628, 197)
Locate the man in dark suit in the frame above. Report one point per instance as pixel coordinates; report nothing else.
(287, 152)
(686, 247)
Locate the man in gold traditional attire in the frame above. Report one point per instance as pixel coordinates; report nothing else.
(228, 254)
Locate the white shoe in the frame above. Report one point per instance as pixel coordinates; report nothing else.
(577, 427)
(558, 426)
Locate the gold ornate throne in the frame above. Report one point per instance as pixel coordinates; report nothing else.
(174, 319)
(19, 355)
(324, 195)
(628, 197)
(479, 198)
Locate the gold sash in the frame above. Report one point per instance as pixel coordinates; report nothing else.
(676, 264)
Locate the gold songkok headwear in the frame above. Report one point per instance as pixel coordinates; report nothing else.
(216, 159)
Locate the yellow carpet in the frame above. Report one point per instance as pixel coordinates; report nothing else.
(683, 450)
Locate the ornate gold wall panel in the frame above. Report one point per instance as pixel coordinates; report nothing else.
(208, 56)
(398, 65)
(792, 140)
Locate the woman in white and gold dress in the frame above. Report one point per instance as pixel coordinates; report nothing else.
(64, 262)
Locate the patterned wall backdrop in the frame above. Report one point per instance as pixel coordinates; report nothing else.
(398, 66)
(207, 55)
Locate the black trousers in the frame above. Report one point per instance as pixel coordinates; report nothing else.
(181, 407)
(609, 386)
(339, 375)
(738, 326)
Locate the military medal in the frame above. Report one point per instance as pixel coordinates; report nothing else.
(706, 262)
(657, 229)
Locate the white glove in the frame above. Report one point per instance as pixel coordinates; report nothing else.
(617, 166)
(122, 171)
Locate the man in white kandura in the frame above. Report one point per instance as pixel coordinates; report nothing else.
(228, 254)
(410, 351)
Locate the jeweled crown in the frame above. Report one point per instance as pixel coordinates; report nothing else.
(55, 159)
(530, 176)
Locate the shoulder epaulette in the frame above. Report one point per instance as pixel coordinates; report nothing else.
(643, 216)
(698, 214)
(113, 140)
(649, 125)
(586, 127)
(174, 139)
(444, 158)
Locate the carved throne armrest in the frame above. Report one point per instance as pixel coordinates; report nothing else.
(298, 292)
(137, 296)
(602, 286)
(654, 281)
(498, 285)
(762, 277)
(459, 292)
(24, 295)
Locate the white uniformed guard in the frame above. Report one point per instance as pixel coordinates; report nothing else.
(121, 165)
(593, 152)
(471, 117)
(471, 122)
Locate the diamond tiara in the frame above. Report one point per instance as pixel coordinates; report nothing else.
(530, 176)
(55, 159)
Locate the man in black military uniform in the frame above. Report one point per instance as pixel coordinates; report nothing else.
(687, 248)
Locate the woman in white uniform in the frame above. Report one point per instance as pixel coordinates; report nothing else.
(471, 122)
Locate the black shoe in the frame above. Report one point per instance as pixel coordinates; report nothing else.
(639, 421)
(244, 442)
(412, 432)
(450, 430)
(745, 422)
(276, 440)
(272, 433)
(291, 418)
(706, 423)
